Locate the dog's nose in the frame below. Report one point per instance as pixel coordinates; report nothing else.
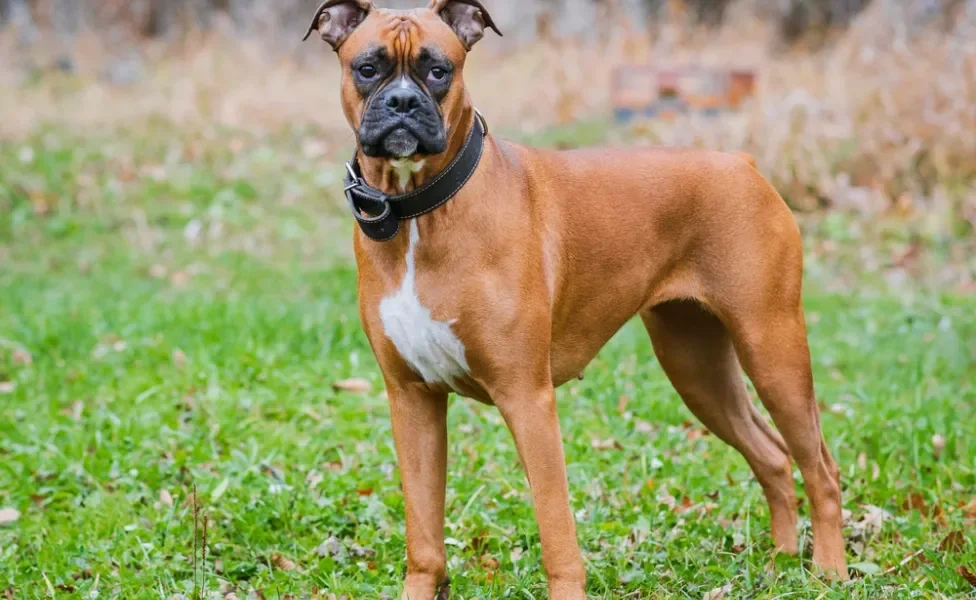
(403, 101)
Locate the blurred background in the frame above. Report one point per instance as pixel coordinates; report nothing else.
(866, 108)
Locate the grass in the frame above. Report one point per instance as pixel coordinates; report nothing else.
(175, 309)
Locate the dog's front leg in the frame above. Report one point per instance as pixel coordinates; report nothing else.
(531, 417)
(419, 418)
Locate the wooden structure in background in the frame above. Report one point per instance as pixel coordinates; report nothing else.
(649, 92)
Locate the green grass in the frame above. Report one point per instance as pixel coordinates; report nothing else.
(186, 302)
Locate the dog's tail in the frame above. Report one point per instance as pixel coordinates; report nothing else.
(747, 157)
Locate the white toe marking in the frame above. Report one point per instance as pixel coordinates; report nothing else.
(428, 346)
(405, 169)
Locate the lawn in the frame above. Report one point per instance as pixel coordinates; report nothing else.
(187, 400)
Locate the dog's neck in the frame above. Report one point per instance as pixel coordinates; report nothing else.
(400, 175)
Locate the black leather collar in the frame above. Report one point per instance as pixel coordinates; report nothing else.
(379, 214)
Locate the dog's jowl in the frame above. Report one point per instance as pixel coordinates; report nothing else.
(497, 272)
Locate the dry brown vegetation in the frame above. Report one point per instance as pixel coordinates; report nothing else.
(880, 121)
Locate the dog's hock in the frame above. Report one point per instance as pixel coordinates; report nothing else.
(336, 19)
(468, 19)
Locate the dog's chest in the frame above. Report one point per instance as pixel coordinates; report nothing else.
(430, 347)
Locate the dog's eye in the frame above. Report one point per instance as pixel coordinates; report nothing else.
(438, 74)
(367, 71)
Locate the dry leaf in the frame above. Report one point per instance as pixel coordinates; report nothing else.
(360, 551)
(871, 522)
(22, 357)
(8, 515)
(488, 562)
(938, 445)
(967, 575)
(622, 404)
(643, 427)
(282, 563)
(165, 497)
(969, 510)
(331, 548)
(355, 385)
(7, 387)
(179, 357)
(718, 593)
(365, 491)
(606, 444)
(916, 501)
(74, 410)
(954, 542)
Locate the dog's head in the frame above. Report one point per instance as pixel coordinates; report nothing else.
(402, 88)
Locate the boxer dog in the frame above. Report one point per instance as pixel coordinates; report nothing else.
(497, 272)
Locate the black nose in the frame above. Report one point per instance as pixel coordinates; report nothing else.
(403, 101)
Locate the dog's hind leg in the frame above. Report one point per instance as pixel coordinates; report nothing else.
(696, 352)
(772, 346)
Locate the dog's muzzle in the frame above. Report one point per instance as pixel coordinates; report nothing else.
(401, 121)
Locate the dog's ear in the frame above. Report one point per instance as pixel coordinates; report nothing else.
(336, 19)
(468, 19)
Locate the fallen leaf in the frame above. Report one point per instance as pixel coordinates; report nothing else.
(969, 510)
(938, 445)
(355, 385)
(967, 575)
(862, 461)
(365, 491)
(65, 587)
(870, 523)
(330, 548)
(179, 357)
(282, 563)
(915, 501)
(361, 552)
(718, 593)
(313, 479)
(7, 387)
(275, 473)
(477, 542)
(622, 403)
(165, 497)
(643, 427)
(954, 542)
(8, 593)
(8, 515)
(74, 410)
(607, 444)
(22, 357)
(489, 562)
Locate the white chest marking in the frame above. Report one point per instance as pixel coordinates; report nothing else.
(428, 346)
(404, 170)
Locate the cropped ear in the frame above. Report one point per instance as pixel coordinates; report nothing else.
(336, 19)
(468, 19)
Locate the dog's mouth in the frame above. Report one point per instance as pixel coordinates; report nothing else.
(402, 138)
(400, 143)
